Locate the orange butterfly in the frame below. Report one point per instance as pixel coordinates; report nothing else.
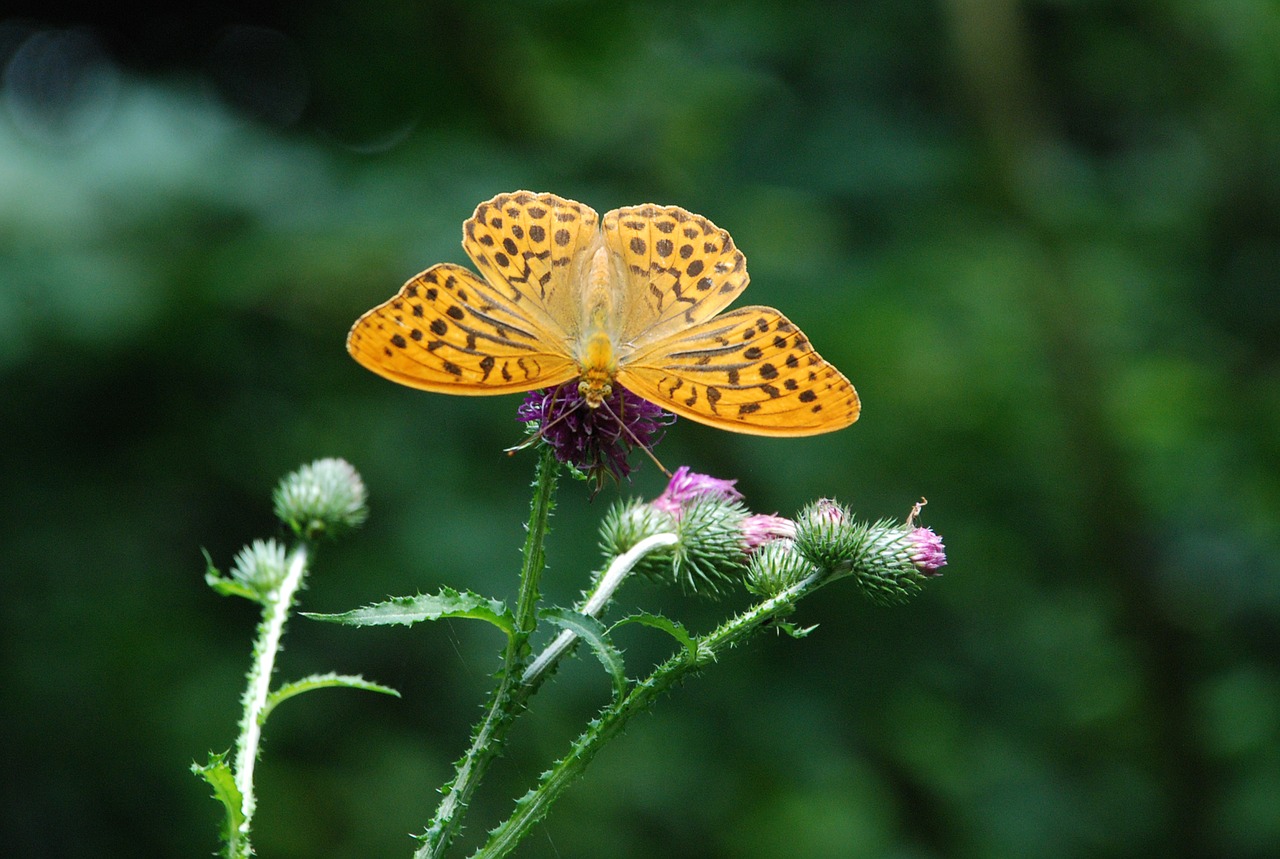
(632, 301)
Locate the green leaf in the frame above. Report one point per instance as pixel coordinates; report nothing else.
(593, 632)
(320, 681)
(217, 774)
(411, 610)
(226, 587)
(666, 624)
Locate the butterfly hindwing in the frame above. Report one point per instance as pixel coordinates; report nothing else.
(450, 332)
(749, 370)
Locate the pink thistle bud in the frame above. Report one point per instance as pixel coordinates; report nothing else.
(761, 528)
(926, 551)
(686, 485)
(829, 512)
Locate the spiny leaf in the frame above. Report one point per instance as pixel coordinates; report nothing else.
(593, 632)
(666, 624)
(320, 681)
(411, 610)
(226, 587)
(217, 774)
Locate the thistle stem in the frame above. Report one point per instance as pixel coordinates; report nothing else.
(275, 613)
(604, 590)
(507, 700)
(534, 806)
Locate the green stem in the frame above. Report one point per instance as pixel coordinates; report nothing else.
(535, 552)
(275, 613)
(508, 698)
(604, 590)
(534, 805)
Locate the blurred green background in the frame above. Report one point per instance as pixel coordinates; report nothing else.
(1041, 238)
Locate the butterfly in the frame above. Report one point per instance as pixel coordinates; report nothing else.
(634, 299)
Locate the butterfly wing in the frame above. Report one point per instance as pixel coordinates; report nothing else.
(749, 370)
(535, 249)
(677, 269)
(450, 332)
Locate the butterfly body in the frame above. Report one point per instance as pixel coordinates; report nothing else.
(633, 299)
(597, 355)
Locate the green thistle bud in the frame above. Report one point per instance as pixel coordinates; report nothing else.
(324, 498)
(260, 567)
(894, 561)
(626, 524)
(711, 551)
(774, 567)
(826, 534)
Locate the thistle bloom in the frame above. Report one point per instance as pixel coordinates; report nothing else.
(595, 441)
(686, 485)
(762, 528)
(927, 551)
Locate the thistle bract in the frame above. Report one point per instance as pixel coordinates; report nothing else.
(774, 567)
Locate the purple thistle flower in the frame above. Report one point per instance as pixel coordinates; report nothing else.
(761, 528)
(686, 485)
(926, 551)
(595, 441)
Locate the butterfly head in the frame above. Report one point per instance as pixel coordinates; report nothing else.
(594, 392)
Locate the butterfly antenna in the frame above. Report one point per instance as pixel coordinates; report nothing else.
(542, 429)
(604, 405)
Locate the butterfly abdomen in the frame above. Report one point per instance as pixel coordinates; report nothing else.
(599, 367)
(597, 357)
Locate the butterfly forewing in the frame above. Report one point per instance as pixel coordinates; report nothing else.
(534, 249)
(449, 331)
(749, 370)
(677, 268)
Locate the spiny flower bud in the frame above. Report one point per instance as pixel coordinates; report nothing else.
(706, 516)
(711, 551)
(716, 530)
(260, 566)
(626, 524)
(774, 567)
(894, 561)
(826, 534)
(324, 498)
